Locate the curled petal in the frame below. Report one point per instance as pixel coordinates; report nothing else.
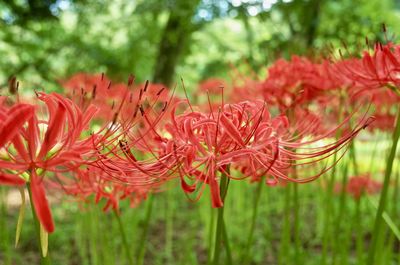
(17, 117)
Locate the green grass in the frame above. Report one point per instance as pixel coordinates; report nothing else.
(180, 232)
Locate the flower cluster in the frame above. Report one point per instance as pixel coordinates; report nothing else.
(123, 141)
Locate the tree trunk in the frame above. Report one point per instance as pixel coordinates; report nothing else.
(174, 39)
(315, 8)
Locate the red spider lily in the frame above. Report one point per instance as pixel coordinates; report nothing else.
(247, 89)
(363, 184)
(95, 181)
(135, 153)
(212, 86)
(50, 142)
(139, 161)
(97, 90)
(107, 96)
(294, 82)
(243, 135)
(118, 174)
(376, 70)
(384, 122)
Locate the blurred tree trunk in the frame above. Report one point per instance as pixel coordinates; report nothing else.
(174, 39)
(249, 36)
(315, 8)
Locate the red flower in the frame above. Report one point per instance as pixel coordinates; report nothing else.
(97, 182)
(244, 136)
(107, 96)
(363, 184)
(294, 82)
(49, 142)
(211, 85)
(376, 70)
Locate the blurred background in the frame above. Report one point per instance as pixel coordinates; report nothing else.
(45, 41)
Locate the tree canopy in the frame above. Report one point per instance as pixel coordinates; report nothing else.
(47, 41)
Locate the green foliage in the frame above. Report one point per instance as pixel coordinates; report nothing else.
(43, 42)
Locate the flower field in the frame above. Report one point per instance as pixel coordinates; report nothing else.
(295, 161)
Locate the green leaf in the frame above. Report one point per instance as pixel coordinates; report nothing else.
(20, 216)
(388, 220)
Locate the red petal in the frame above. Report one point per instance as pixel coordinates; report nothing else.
(191, 137)
(19, 146)
(33, 136)
(41, 204)
(17, 117)
(56, 126)
(214, 188)
(9, 179)
(231, 130)
(186, 187)
(215, 195)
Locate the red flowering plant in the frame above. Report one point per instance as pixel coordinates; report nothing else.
(374, 70)
(205, 147)
(133, 153)
(244, 136)
(118, 169)
(362, 184)
(107, 95)
(86, 89)
(133, 113)
(246, 89)
(55, 138)
(290, 83)
(92, 181)
(370, 75)
(297, 86)
(211, 85)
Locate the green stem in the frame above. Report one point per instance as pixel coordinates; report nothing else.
(210, 235)
(4, 235)
(142, 243)
(94, 237)
(358, 229)
(81, 238)
(339, 244)
(220, 220)
(372, 162)
(43, 260)
(246, 253)
(296, 224)
(229, 260)
(377, 232)
(329, 211)
(357, 226)
(123, 235)
(395, 213)
(353, 157)
(284, 254)
(169, 216)
(327, 236)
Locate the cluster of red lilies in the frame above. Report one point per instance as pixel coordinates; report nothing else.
(122, 141)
